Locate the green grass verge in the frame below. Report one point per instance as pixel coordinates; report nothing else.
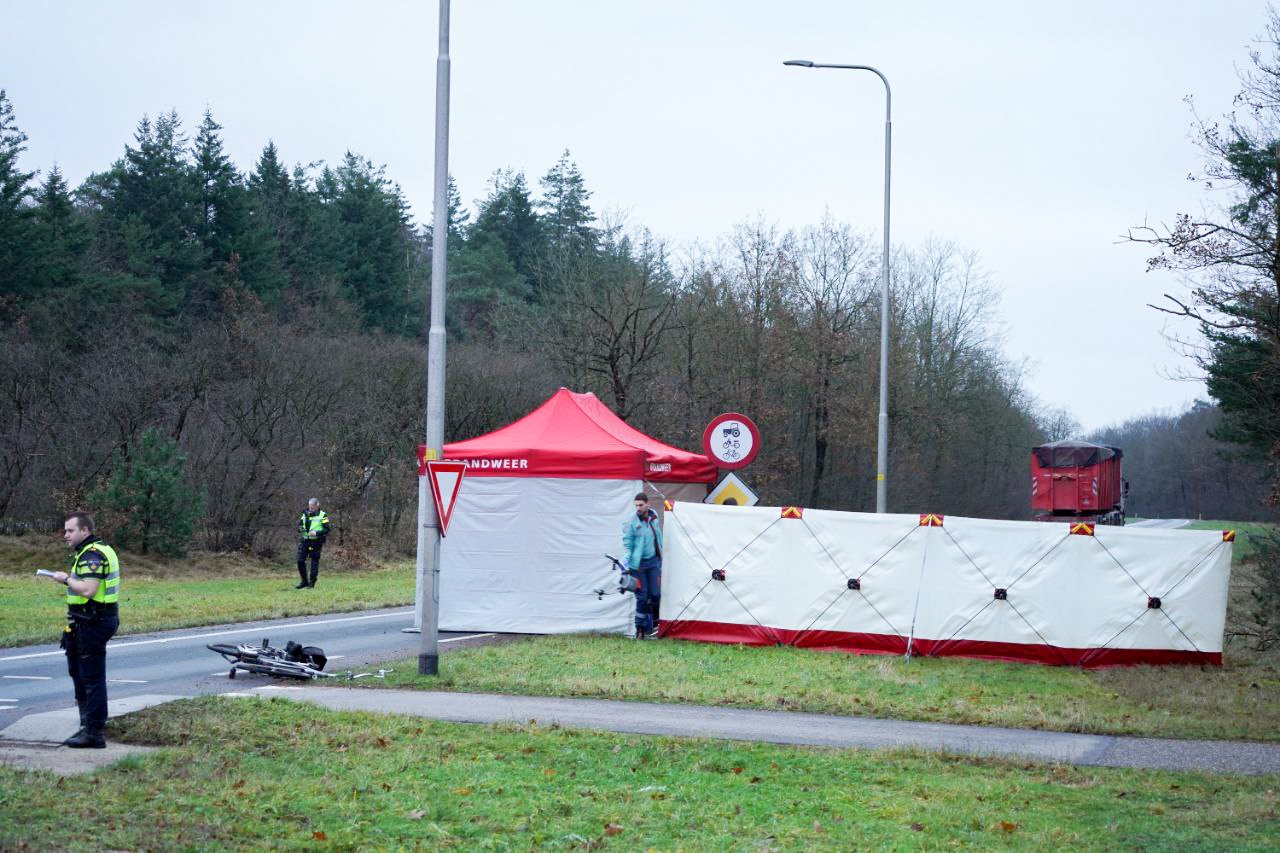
(251, 773)
(1238, 701)
(1242, 548)
(204, 589)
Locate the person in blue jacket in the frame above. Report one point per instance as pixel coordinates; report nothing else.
(642, 553)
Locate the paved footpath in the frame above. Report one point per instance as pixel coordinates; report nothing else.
(33, 740)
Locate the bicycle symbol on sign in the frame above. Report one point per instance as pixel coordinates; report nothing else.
(731, 443)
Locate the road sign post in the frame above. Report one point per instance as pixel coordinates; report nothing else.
(731, 440)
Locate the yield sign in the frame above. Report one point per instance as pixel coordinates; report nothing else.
(446, 480)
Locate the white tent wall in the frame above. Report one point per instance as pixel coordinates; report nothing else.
(1067, 599)
(523, 554)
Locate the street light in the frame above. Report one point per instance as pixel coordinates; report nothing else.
(882, 437)
(428, 558)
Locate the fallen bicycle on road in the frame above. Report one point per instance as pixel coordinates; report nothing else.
(293, 661)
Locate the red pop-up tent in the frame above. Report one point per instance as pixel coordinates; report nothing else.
(543, 501)
(575, 435)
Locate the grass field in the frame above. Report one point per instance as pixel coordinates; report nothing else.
(1238, 701)
(249, 774)
(203, 589)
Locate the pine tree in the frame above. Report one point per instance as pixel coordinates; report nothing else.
(508, 216)
(566, 212)
(60, 237)
(482, 281)
(376, 251)
(220, 207)
(146, 501)
(458, 220)
(311, 250)
(249, 222)
(148, 234)
(16, 262)
(459, 216)
(270, 187)
(229, 247)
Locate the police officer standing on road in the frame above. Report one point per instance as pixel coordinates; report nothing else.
(313, 528)
(93, 595)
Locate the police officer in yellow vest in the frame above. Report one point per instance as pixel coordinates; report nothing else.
(93, 595)
(313, 529)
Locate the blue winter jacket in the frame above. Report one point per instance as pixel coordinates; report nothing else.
(641, 539)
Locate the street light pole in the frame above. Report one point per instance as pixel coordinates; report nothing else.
(428, 562)
(882, 436)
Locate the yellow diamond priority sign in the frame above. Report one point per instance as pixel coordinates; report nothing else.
(733, 492)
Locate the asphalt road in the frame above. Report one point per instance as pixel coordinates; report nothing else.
(34, 679)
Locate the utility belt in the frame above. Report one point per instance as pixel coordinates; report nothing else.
(91, 611)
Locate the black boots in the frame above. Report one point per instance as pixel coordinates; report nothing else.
(86, 739)
(302, 585)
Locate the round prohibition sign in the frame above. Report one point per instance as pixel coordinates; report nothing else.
(731, 440)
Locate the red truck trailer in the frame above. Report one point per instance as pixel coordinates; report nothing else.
(1077, 481)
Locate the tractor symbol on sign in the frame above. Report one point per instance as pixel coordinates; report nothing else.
(731, 443)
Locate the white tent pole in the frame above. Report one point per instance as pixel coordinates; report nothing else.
(650, 487)
(911, 636)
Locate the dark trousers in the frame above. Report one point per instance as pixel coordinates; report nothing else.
(86, 647)
(309, 548)
(649, 596)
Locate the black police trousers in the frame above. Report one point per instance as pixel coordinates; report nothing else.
(309, 549)
(86, 648)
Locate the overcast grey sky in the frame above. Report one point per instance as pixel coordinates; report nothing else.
(1034, 133)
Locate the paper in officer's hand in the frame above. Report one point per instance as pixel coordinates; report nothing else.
(45, 573)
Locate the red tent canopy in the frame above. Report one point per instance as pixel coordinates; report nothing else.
(575, 435)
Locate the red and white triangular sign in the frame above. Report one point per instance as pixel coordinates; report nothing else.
(446, 479)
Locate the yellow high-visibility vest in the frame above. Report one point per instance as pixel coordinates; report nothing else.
(108, 587)
(312, 527)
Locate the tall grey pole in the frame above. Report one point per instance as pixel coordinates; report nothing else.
(428, 521)
(882, 433)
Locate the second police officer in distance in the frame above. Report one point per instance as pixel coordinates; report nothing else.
(313, 529)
